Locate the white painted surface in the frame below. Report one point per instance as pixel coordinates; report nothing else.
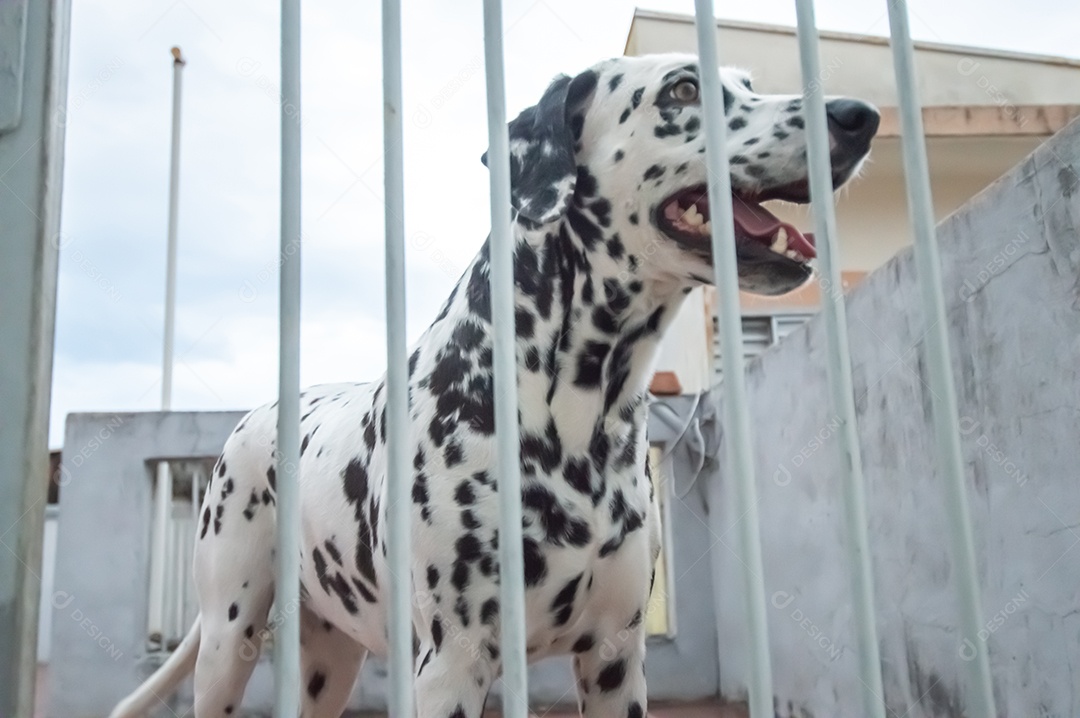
(1011, 264)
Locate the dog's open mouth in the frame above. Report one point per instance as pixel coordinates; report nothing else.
(685, 217)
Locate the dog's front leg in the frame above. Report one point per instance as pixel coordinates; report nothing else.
(453, 678)
(611, 674)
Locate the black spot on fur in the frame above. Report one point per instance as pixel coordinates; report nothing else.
(468, 548)
(578, 473)
(535, 563)
(234, 611)
(583, 644)
(590, 364)
(316, 684)
(453, 454)
(464, 494)
(563, 605)
(560, 526)
(667, 130)
(252, 506)
(436, 632)
(611, 676)
(332, 551)
(489, 610)
(653, 172)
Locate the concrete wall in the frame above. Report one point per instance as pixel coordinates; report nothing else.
(99, 600)
(99, 597)
(1011, 263)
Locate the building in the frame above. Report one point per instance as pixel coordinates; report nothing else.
(983, 110)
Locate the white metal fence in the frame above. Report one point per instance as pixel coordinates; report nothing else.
(979, 696)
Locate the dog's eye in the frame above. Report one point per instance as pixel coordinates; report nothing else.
(685, 91)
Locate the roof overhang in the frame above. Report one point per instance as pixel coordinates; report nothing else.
(985, 120)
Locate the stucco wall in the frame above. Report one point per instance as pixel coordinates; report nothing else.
(1011, 262)
(862, 65)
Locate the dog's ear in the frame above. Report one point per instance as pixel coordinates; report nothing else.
(543, 169)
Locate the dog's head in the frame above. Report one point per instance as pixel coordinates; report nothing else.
(623, 144)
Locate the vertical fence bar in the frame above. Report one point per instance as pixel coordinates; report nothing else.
(508, 468)
(33, 87)
(398, 471)
(736, 416)
(287, 557)
(838, 360)
(938, 363)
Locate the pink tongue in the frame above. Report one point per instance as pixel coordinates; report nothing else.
(760, 223)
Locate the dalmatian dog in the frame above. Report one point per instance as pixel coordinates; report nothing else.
(611, 231)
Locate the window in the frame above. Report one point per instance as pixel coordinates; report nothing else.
(759, 333)
(658, 613)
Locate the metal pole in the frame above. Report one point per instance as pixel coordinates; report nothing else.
(939, 363)
(508, 467)
(287, 556)
(163, 483)
(170, 258)
(33, 87)
(839, 361)
(736, 414)
(398, 469)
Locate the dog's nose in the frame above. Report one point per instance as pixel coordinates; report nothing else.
(852, 123)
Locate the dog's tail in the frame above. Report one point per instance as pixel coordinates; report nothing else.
(165, 679)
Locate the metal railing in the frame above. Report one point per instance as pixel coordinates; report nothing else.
(735, 402)
(945, 414)
(28, 405)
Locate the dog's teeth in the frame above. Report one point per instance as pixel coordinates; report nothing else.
(693, 218)
(779, 244)
(707, 227)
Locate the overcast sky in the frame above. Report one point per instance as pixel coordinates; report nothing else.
(109, 316)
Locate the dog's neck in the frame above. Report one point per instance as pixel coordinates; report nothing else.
(588, 330)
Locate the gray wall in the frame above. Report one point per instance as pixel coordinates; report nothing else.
(99, 595)
(1011, 261)
(99, 601)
